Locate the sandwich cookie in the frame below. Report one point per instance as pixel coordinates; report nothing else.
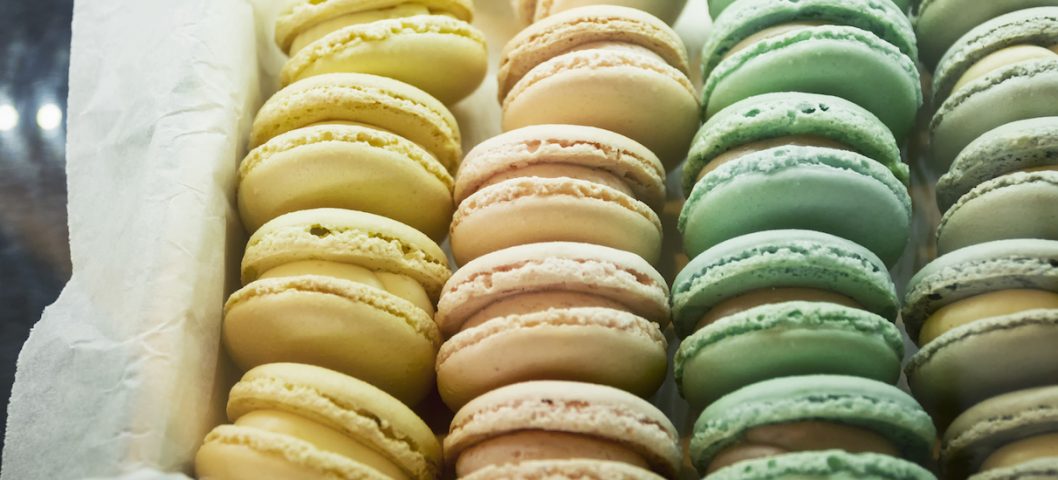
(783, 303)
(995, 74)
(561, 423)
(826, 464)
(863, 51)
(530, 11)
(427, 43)
(940, 23)
(345, 290)
(558, 183)
(552, 311)
(581, 469)
(300, 421)
(810, 413)
(1010, 436)
(716, 7)
(986, 317)
(592, 66)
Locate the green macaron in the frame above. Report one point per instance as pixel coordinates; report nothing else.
(824, 465)
(986, 317)
(791, 117)
(1001, 71)
(1015, 205)
(716, 7)
(860, 50)
(939, 23)
(834, 191)
(872, 408)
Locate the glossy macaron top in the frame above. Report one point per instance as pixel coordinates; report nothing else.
(979, 269)
(550, 150)
(578, 408)
(345, 404)
(781, 258)
(940, 23)
(530, 11)
(798, 117)
(614, 274)
(587, 27)
(853, 401)
(300, 16)
(346, 236)
(1011, 147)
(986, 427)
(746, 18)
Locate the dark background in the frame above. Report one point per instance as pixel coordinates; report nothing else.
(34, 253)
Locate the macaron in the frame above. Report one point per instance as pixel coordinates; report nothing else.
(995, 74)
(371, 100)
(826, 464)
(716, 7)
(530, 11)
(429, 43)
(940, 23)
(860, 50)
(986, 317)
(552, 311)
(591, 66)
(564, 470)
(1015, 205)
(1007, 436)
(790, 118)
(560, 421)
(347, 166)
(839, 192)
(810, 413)
(345, 290)
(301, 421)
(558, 183)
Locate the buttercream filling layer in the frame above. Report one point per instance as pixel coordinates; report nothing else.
(1041, 168)
(543, 445)
(760, 297)
(761, 145)
(770, 32)
(321, 29)
(1022, 451)
(1004, 58)
(777, 439)
(980, 307)
(563, 170)
(397, 284)
(538, 302)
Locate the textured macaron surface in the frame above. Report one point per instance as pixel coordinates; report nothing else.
(1015, 205)
(940, 23)
(827, 464)
(774, 115)
(578, 469)
(1039, 469)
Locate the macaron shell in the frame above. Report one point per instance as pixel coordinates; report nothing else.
(533, 10)
(564, 470)
(595, 345)
(982, 359)
(833, 191)
(785, 339)
(1042, 469)
(1017, 205)
(832, 60)
(1010, 147)
(533, 209)
(1003, 96)
(349, 327)
(939, 23)
(345, 166)
(360, 98)
(442, 55)
(782, 114)
(604, 89)
(824, 465)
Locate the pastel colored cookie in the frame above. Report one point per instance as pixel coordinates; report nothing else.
(790, 118)
(590, 66)
(812, 188)
(825, 465)
(1024, 145)
(815, 412)
(1003, 434)
(552, 311)
(344, 290)
(940, 23)
(994, 75)
(346, 166)
(716, 7)
(426, 43)
(986, 317)
(862, 51)
(366, 99)
(530, 11)
(1043, 469)
(564, 470)
(558, 183)
(550, 420)
(300, 421)
(1015, 205)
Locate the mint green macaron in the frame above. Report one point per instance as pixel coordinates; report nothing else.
(716, 7)
(824, 465)
(940, 23)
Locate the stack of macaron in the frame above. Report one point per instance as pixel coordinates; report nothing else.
(346, 192)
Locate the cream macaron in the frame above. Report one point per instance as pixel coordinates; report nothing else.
(533, 10)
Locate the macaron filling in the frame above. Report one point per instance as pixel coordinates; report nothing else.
(397, 284)
(986, 305)
(325, 27)
(768, 33)
(756, 298)
(563, 170)
(1023, 451)
(1041, 168)
(761, 145)
(777, 439)
(1004, 58)
(539, 301)
(526, 445)
(322, 437)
